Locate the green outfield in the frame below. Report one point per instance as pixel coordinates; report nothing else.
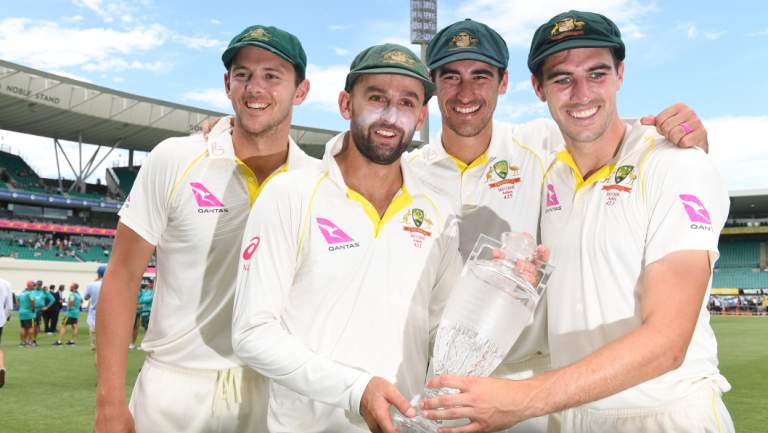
(51, 389)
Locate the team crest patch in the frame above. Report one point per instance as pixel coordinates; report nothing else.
(623, 178)
(400, 58)
(566, 27)
(418, 225)
(503, 177)
(463, 40)
(257, 34)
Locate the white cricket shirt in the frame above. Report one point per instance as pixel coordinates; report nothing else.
(191, 199)
(498, 192)
(329, 294)
(652, 199)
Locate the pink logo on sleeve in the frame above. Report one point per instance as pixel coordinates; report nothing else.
(253, 245)
(552, 196)
(203, 197)
(331, 232)
(696, 211)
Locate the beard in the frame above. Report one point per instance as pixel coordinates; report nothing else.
(376, 153)
(263, 130)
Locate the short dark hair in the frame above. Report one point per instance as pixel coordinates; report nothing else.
(539, 71)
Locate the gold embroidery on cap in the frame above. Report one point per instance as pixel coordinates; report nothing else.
(399, 57)
(565, 28)
(463, 40)
(258, 34)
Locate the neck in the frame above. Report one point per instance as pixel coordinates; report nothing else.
(466, 149)
(376, 182)
(593, 155)
(263, 153)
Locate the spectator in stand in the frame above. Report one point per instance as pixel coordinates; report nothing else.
(92, 291)
(73, 314)
(43, 300)
(145, 300)
(26, 304)
(6, 306)
(51, 316)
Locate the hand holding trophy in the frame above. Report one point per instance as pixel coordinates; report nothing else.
(493, 301)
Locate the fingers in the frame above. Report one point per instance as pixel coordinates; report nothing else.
(447, 401)
(668, 124)
(542, 253)
(397, 400)
(648, 120)
(448, 413)
(447, 381)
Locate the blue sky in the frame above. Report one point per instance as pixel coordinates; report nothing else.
(702, 53)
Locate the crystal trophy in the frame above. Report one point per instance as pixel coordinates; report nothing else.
(491, 303)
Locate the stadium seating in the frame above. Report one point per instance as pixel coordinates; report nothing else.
(739, 253)
(18, 170)
(94, 252)
(742, 278)
(125, 177)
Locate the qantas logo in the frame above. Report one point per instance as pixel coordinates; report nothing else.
(206, 201)
(697, 213)
(553, 203)
(334, 235)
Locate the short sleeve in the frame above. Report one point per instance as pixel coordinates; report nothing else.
(145, 211)
(686, 201)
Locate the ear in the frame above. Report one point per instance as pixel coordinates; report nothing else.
(504, 84)
(227, 84)
(302, 90)
(538, 88)
(422, 115)
(344, 105)
(620, 75)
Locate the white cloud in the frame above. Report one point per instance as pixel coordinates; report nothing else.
(215, 22)
(336, 27)
(758, 33)
(46, 45)
(119, 64)
(520, 86)
(72, 19)
(340, 51)
(689, 29)
(109, 10)
(198, 42)
(516, 20)
(740, 148)
(715, 35)
(325, 84)
(214, 97)
(514, 111)
(70, 75)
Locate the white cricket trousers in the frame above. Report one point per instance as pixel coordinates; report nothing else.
(168, 399)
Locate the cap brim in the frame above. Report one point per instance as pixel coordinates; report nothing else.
(465, 55)
(429, 86)
(231, 52)
(569, 45)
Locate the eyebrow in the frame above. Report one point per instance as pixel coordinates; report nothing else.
(377, 89)
(557, 72)
(479, 71)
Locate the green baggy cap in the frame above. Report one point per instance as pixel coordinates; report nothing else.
(271, 39)
(574, 29)
(390, 59)
(467, 40)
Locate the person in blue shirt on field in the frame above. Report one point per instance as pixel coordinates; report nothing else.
(43, 300)
(74, 300)
(26, 304)
(145, 301)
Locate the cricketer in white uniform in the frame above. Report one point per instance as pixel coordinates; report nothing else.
(332, 291)
(191, 201)
(633, 241)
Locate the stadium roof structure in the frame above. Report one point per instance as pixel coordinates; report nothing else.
(39, 103)
(749, 203)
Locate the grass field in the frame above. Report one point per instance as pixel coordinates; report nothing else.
(51, 389)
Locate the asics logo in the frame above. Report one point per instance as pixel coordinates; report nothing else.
(253, 245)
(331, 232)
(203, 197)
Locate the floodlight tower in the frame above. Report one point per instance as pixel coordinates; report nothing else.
(423, 29)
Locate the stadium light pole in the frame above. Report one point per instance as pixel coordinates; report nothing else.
(423, 29)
